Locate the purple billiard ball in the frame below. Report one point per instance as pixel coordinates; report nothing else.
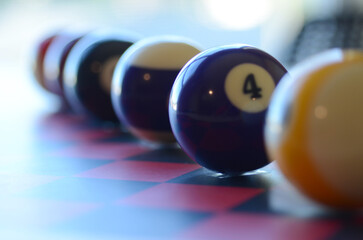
(142, 83)
(218, 105)
(88, 72)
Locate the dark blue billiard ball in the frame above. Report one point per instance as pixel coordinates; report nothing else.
(142, 83)
(218, 104)
(88, 72)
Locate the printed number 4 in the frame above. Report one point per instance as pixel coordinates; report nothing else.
(250, 86)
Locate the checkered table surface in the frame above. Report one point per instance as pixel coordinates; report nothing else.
(79, 180)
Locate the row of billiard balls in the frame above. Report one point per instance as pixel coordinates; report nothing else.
(214, 104)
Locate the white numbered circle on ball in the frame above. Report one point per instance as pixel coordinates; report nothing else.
(249, 87)
(106, 73)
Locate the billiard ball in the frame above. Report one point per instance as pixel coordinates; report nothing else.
(54, 60)
(314, 128)
(88, 72)
(142, 82)
(218, 104)
(38, 59)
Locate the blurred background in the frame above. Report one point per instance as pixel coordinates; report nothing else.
(210, 22)
(272, 25)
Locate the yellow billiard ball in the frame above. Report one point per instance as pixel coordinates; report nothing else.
(314, 128)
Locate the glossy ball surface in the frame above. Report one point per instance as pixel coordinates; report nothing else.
(88, 73)
(218, 104)
(142, 83)
(314, 128)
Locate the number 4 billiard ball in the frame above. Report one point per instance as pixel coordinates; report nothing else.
(218, 104)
